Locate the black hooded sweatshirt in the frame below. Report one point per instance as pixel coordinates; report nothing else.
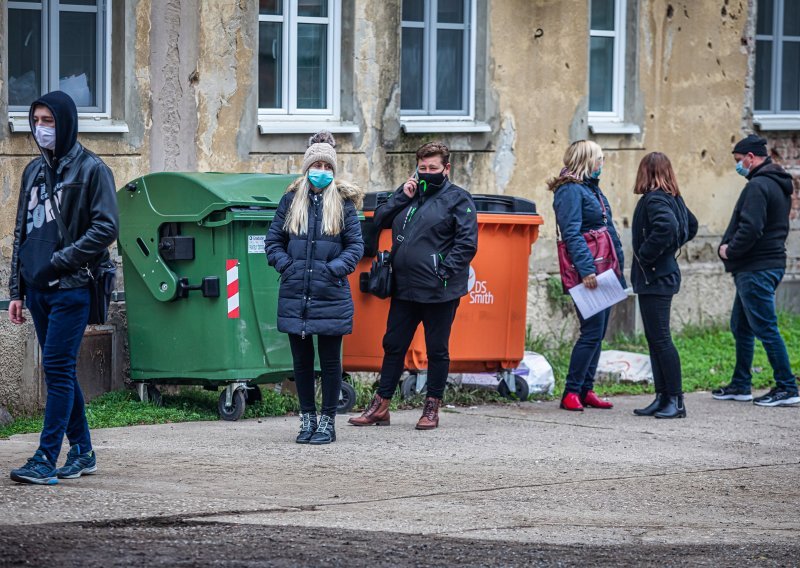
(756, 234)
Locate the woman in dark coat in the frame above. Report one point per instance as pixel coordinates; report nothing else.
(580, 207)
(314, 242)
(662, 224)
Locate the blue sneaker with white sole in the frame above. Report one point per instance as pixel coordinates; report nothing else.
(78, 464)
(38, 470)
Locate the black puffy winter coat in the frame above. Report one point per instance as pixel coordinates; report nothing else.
(314, 296)
(441, 239)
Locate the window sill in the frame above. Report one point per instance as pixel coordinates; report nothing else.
(267, 126)
(436, 126)
(614, 128)
(777, 121)
(85, 125)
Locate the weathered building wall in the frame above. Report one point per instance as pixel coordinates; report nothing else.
(185, 81)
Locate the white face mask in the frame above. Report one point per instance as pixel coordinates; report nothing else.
(46, 137)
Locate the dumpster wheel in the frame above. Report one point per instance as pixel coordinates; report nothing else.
(409, 388)
(236, 409)
(520, 386)
(347, 398)
(149, 393)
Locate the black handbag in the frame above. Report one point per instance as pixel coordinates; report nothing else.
(102, 277)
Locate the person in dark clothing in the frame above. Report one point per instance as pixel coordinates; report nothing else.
(314, 242)
(435, 226)
(753, 249)
(662, 224)
(580, 206)
(52, 278)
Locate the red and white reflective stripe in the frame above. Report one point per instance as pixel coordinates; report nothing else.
(233, 287)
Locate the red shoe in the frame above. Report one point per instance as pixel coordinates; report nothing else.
(591, 399)
(571, 402)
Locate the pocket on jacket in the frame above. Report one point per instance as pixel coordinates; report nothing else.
(332, 278)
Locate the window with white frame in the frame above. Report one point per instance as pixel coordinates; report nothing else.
(298, 57)
(777, 72)
(437, 68)
(59, 45)
(607, 60)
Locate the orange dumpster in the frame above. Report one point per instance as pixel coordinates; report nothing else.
(489, 330)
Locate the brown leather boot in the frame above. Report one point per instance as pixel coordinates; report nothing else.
(430, 414)
(377, 413)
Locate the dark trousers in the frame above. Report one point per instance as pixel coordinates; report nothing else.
(586, 353)
(664, 358)
(330, 360)
(60, 318)
(404, 319)
(753, 316)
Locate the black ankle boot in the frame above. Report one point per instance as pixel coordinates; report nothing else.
(326, 432)
(673, 409)
(308, 425)
(658, 404)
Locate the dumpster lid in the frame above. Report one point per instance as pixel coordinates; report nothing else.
(193, 195)
(484, 203)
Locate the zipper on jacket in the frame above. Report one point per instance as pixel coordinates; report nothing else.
(644, 274)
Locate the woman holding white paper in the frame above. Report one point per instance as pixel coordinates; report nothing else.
(580, 207)
(662, 224)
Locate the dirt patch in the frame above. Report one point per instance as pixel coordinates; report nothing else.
(171, 542)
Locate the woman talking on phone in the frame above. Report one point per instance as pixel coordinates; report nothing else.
(580, 207)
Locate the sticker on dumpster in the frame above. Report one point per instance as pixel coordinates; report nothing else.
(255, 244)
(232, 269)
(478, 290)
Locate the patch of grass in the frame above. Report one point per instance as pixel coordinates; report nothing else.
(707, 359)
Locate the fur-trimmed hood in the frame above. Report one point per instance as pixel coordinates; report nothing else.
(347, 190)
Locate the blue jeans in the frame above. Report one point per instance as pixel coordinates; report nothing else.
(586, 353)
(753, 316)
(60, 318)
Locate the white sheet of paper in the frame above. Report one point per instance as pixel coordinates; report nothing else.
(608, 292)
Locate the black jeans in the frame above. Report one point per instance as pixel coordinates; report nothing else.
(330, 361)
(404, 319)
(60, 317)
(586, 353)
(664, 358)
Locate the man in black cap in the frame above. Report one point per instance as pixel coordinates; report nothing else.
(50, 272)
(754, 250)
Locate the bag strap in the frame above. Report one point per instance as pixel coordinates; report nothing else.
(401, 236)
(62, 228)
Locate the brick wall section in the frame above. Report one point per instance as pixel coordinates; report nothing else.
(785, 149)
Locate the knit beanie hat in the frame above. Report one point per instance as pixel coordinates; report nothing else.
(320, 149)
(753, 143)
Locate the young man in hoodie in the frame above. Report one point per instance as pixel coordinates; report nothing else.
(435, 235)
(754, 250)
(50, 274)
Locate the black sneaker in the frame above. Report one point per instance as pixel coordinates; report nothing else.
(38, 470)
(326, 432)
(730, 392)
(777, 397)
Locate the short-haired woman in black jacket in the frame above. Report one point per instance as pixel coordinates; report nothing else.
(314, 242)
(661, 225)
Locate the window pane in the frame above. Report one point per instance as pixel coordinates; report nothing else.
(450, 12)
(414, 10)
(449, 69)
(791, 17)
(270, 7)
(763, 77)
(24, 56)
(790, 77)
(601, 74)
(312, 8)
(411, 69)
(78, 57)
(312, 58)
(270, 65)
(602, 15)
(765, 15)
(79, 2)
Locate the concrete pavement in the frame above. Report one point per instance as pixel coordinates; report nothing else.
(531, 473)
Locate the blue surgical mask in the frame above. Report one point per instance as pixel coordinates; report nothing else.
(741, 170)
(596, 174)
(320, 178)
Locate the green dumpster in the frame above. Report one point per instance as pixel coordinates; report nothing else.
(201, 300)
